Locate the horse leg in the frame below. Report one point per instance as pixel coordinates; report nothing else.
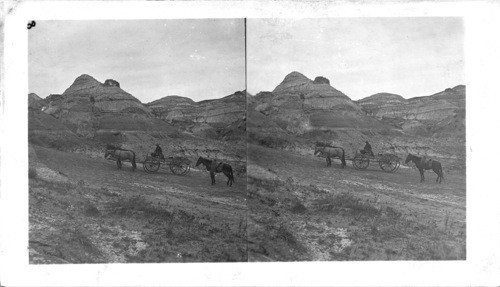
(119, 163)
(422, 179)
(229, 178)
(212, 176)
(134, 165)
(441, 174)
(328, 161)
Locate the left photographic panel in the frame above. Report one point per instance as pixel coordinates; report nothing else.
(137, 141)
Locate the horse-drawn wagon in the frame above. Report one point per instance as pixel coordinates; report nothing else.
(387, 162)
(177, 165)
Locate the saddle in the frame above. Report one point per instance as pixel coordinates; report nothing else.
(216, 166)
(426, 162)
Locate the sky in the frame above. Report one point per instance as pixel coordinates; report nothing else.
(360, 56)
(200, 59)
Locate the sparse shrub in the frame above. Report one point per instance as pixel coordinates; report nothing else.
(391, 232)
(392, 213)
(346, 201)
(175, 134)
(374, 230)
(32, 173)
(157, 135)
(80, 237)
(273, 142)
(315, 189)
(282, 124)
(91, 210)
(138, 204)
(284, 234)
(298, 208)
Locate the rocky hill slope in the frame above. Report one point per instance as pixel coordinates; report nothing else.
(225, 110)
(440, 114)
(301, 111)
(217, 119)
(95, 114)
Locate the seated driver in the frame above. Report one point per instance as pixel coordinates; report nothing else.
(367, 149)
(158, 152)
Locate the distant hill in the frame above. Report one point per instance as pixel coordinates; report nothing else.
(225, 110)
(440, 114)
(34, 102)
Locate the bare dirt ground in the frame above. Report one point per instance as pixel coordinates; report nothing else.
(302, 210)
(84, 210)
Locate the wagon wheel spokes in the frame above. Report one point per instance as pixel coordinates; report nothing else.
(389, 164)
(397, 167)
(360, 161)
(151, 165)
(180, 168)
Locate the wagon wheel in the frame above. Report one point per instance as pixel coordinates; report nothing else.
(151, 165)
(399, 164)
(180, 168)
(360, 161)
(389, 164)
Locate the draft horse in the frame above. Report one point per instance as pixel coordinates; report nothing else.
(424, 163)
(330, 152)
(214, 167)
(120, 155)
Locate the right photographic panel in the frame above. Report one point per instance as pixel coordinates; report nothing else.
(356, 139)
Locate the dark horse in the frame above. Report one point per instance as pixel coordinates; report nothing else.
(120, 154)
(329, 152)
(424, 163)
(214, 167)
